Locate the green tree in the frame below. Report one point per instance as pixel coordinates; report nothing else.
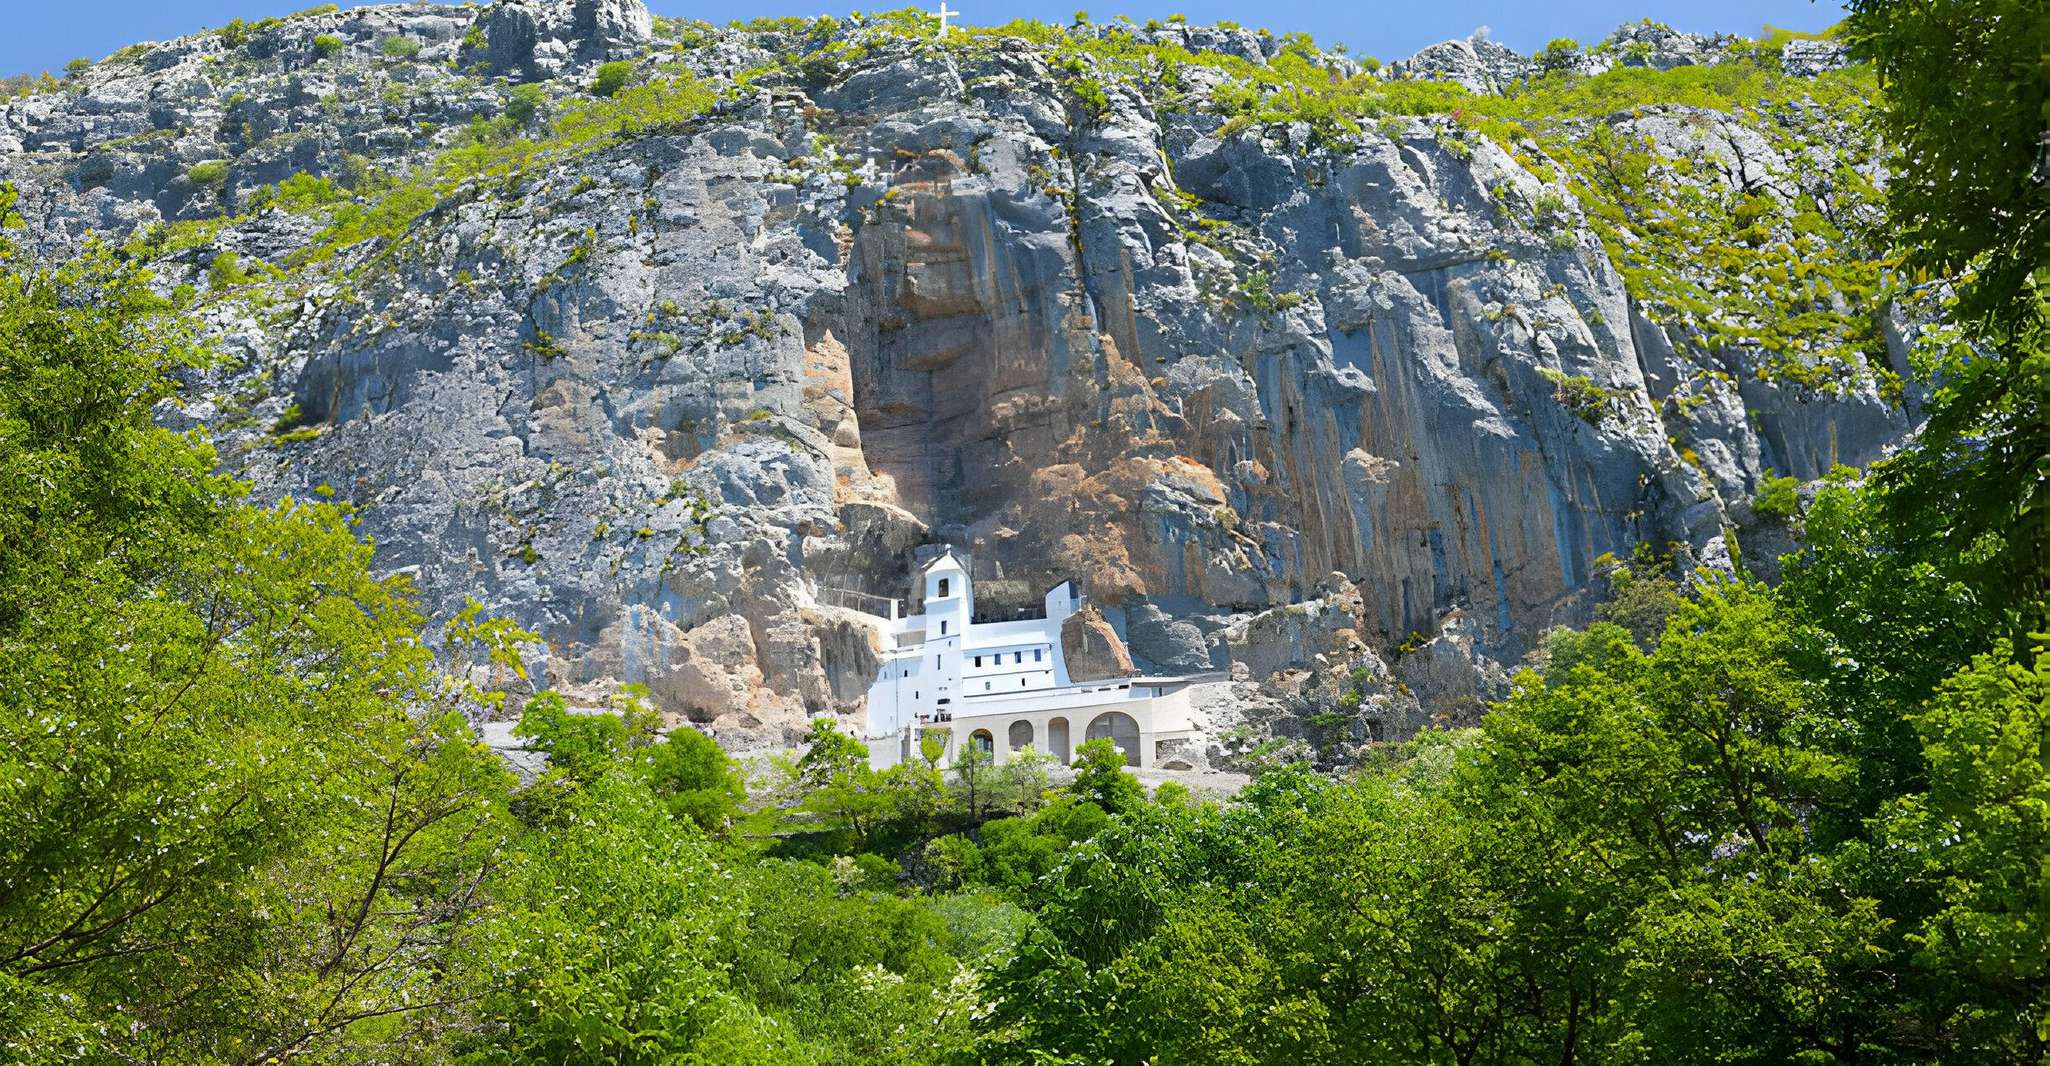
(838, 783)
(1965, 103)
(579, 746)
(696, 779)
(828, 752)
(1964, 111)
(1101, 779)
(1983, 829)
(974, 771)
(630, 937)
(916, 797)
(240, 814)
(1021, 781)
(615, 944)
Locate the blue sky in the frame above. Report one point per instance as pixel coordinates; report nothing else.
(43, 34)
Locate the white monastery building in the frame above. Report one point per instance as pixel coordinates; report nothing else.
(1004, 686)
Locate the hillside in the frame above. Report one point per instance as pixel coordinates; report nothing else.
(657, 337)
(442, 450)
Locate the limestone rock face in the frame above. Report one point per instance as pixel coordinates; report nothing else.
(1660, 47)
(528, 40)
(1477, 63)
(685, 402)
(1806, 59)
(1449, 675)
(1092, 649)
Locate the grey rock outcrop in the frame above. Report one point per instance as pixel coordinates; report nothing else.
(1660, 47)
(532, 39)
(1478, 63)
(1806, 58)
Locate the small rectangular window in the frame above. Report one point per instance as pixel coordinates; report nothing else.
(1017, 656)
(935, 662)
(1021, 682)
(978, 660)
(985, 686)
(943, 586)
(1036, 653)
(943, 627)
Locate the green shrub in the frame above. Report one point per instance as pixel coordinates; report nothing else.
(1579, 394)
(226, 270)
(525, 102)
(327, 44)
(1090, 93)
(304, 192)
(544, 345)
(212, 173)
(399, 46)
(1559, 54)
(582, 127)
(387, 218)
(632, 111)
(1777, 496)
(1549, 210)
(612, 77)
(1259, 291)
(76, 68)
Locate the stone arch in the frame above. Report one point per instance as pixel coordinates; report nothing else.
(1020, 735)
(1122, 730)
(1057, 739)
(981, 741)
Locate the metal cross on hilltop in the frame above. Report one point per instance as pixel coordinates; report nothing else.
(945, 14)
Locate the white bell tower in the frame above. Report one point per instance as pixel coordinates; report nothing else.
(949, 606)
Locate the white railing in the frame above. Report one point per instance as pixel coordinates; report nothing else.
(839, 597)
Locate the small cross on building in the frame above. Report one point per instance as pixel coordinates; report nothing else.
(945, 14)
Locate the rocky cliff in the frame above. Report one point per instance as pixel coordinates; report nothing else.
(666, 340)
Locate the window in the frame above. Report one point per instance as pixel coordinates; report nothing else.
(985, 686)
(1036, 653)
(935, 662)
(1021, 682)
(943, 627)
(978, 660)
(943, 586)
(1017, 656)
(915, 694)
